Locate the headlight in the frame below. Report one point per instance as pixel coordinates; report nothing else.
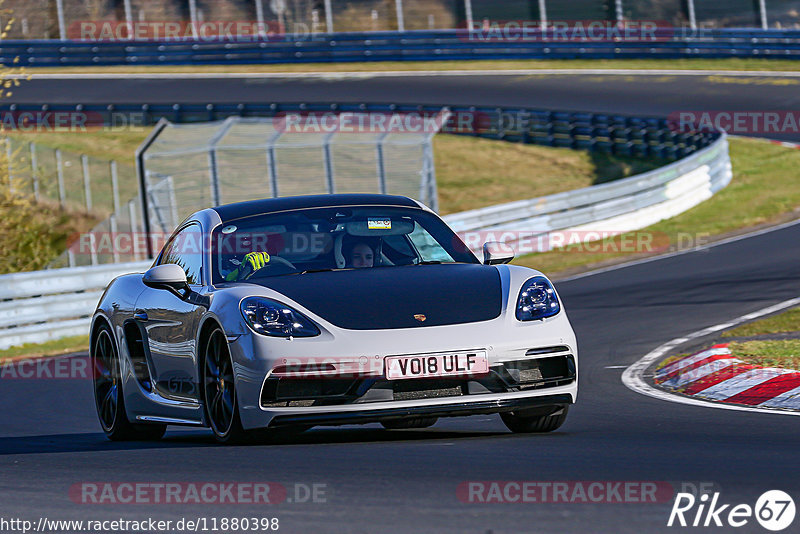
(271, 318)
(537, 300)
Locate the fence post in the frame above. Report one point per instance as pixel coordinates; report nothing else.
(173, 202)
(328, 16)
(213, 176)
(132, 217)
(618, 10)
(34, 171)
(326, 149)
(692, 16)
(260, 18)
(398, 4)
(62, 192)
(430, 176)
(468, 13)
(114, 185)
(62, 27)
(543, 13)
(762, 10)
(272, 171)
(129, 18)
(87, 182)
(381, 163)
(93, 244)
(193, 17)
(114, 228)
(141, 172)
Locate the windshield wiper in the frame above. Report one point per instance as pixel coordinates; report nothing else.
(430, 262)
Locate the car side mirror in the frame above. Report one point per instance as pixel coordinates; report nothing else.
(167, 276)
(497, 252)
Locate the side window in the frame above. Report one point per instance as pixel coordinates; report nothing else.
(186, 249)
(429, 249)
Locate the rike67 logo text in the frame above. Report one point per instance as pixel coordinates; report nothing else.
(774, 510)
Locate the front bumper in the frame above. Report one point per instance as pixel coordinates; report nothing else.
(371, 397)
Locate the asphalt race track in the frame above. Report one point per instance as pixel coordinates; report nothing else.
(406, 481)
(646, 95)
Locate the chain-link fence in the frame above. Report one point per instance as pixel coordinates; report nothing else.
(193, 166)
(78, 183)
(105, 20)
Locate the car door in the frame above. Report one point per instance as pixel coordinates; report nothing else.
(170, 322)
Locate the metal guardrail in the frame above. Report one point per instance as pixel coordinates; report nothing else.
(44, 305)
(40, 306)
(621, 206)
(419, 45)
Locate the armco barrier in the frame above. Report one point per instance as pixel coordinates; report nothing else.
(620, 206)
(44, 305)
(668, 43)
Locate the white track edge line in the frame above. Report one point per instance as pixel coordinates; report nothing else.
(634, 380)
(403, 73)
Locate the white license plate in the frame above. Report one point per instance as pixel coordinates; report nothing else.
(436, 365)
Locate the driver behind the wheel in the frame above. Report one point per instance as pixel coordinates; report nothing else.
(252, 262)
(360, 252)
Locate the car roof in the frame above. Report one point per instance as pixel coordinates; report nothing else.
(229, 212)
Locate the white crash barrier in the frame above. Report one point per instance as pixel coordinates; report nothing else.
(40, 306)
(621, 206)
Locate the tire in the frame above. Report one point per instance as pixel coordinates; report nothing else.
(527, 423)
(108, 395)
(219, 391)
(414, 422)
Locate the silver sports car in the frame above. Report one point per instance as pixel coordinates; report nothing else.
(283, 314)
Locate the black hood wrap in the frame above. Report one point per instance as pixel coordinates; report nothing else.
(390, 297)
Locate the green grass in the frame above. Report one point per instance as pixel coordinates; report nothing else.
(764, 189)
(474, 173)
(739, 64)
(788, 321)
(56, 347)
(98, 143)
(773, 353)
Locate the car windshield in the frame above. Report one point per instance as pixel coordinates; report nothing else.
(322, 239)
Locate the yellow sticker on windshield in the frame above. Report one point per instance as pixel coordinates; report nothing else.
(379, 224)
